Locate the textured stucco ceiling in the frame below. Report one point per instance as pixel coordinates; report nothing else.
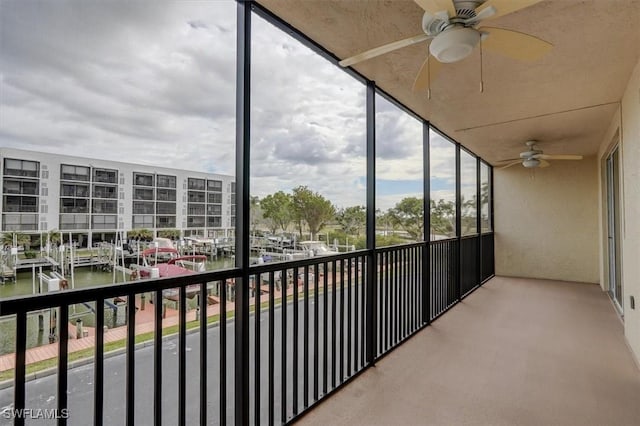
(565, 100)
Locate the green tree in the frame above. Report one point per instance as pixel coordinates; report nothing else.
(140, 234)
(277, 208)
(386, 220)
(468, 215)
(20, 239)
(409, 214)
(352, 219)
(312, 208)
(443, 216)
(54, 236)
(173, 234)
(255, 212)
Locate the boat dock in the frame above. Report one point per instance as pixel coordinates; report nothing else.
(44, 262)
(6, 273)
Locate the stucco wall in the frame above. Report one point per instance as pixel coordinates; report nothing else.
(627, 122)
(546, 221)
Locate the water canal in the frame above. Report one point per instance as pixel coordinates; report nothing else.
(41, 325)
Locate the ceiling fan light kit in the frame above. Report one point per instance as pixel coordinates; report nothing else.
(454, 44)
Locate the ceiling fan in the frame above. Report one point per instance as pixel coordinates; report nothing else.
(451, 27)
(534, 157)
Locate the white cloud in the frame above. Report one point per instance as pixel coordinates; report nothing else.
(156, 85)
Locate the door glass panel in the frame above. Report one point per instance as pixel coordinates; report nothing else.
(613, 210)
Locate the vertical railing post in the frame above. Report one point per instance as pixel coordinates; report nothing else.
(478, 222)
(98, 377)
(491, 222)
(426, 266)
(371, 287)
(243, 107)
(19, 389)
(458, 261)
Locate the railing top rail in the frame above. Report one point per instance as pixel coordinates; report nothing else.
(467, 237)
(298, 263)
(15, 304)
(443, 241)
(400, 246)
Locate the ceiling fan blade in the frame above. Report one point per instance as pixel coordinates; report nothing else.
(509, 160)
(435, 6)
(383, 49)
(514, 44)
(544, 163)
(428, 73)
(513, 163)
(504, 7)
(558, 157)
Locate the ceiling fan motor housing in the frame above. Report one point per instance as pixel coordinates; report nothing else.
(454, 44)
(431, 25)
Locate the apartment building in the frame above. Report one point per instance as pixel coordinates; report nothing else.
(93, 199)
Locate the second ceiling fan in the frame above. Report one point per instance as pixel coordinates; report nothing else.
(452, 27)
(533, 157)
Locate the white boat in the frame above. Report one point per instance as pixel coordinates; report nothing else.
(317, 248)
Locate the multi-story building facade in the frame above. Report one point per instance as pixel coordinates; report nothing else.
(93, 199)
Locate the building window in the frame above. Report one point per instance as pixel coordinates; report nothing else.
(74, 205)
(196, 197)
(103, 221)
(166, 222)
(142, 194)
(14, 204)
(214, 210)
(166, 208)
(165, 194)
(142, 179)
(74, 190)
(214, 185)
(68, 172)
(143, 207)
(196, 210)
(105, 191)
(165, 181)
(214, 221)
(23, 187)
(143, 221)
(74, 221)
(20, 222)
(104, 206)
(22, 168)
(105, 175)
(215, 198)
(195, 222)
(196, 184)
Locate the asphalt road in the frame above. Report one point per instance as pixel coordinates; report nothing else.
(41, 393)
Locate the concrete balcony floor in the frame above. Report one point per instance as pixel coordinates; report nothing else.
(515, 352)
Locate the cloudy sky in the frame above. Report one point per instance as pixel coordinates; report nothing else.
(127, 81)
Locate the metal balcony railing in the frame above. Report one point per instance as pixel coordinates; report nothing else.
(314, 324)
